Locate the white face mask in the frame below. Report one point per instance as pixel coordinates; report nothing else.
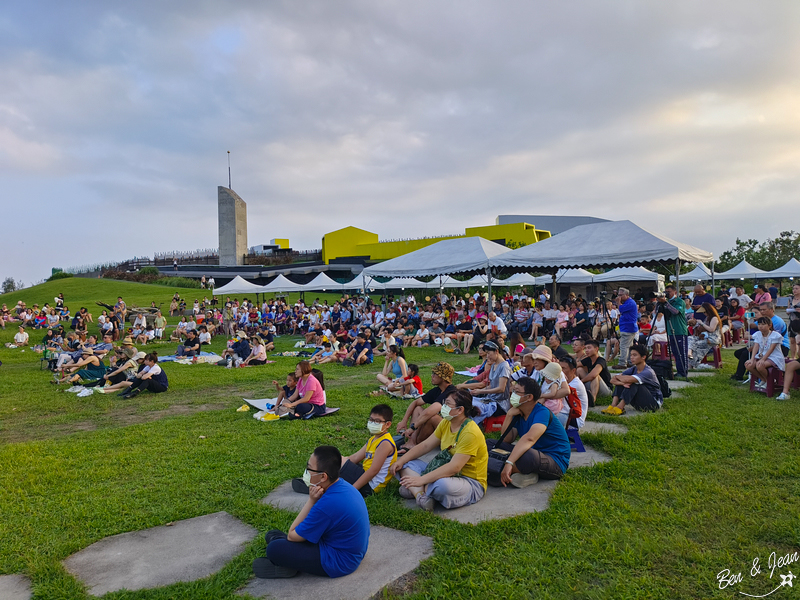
(307, 478)
(514, 399)
(445, 413)
(374, 428)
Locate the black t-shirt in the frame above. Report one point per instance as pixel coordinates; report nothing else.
(433, 394)
(560, 353)
(604, 374)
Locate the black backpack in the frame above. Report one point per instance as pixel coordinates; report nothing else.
(663, 370)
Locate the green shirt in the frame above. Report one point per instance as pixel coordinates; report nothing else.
(676, 324)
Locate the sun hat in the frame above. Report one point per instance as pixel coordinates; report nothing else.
(87, 351)
(543, 353)
(139, 356)
(552, 371)
(444, 371)
(127, 341)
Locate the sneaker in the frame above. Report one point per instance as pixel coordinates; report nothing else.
(405, 493)
(299, 486)
(425, 502)
(100, 390)
(782, 396)
(761, 386)
(85, 392)
(266, 417)
(521, 480)
(76, 388)
(704, 366)
(263, 568)
(243, 408)
(737, 378)
(608, 410)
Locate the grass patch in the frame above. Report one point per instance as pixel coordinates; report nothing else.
(709, 483)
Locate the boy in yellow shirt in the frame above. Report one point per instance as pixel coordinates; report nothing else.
(367, 470)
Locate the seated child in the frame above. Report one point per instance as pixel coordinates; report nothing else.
(327, 355)
(401, 386)
(367, 470)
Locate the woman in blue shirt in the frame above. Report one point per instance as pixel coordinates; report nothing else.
(543, 447)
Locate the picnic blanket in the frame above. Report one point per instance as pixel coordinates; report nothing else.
(269, 404)
(174, 358)
(297, 353)
(471, 372)
(211, 358)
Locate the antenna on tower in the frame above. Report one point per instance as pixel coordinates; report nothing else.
(229, 170)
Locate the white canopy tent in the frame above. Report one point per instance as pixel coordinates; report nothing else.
(699, 273)
(322, 283)
(476, 281)
(516, 280)
(567, 276)
(744, 270)
(788, 271)
(401, 283)
(457, 255)
(237, 285)
(281, 284)
(357, 283)
(443, 282)
(607, 244)
(628, 274)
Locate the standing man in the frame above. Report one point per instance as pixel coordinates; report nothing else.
(700, 296)
(674, 310)
(120, 312)
(628, 325)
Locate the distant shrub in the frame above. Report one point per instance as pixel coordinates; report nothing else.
(146, 276)
(60, 275)
(183, 282)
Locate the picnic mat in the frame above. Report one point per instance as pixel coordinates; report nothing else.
(173, 358)
(269, 404)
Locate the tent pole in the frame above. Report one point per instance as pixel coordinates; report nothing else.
(489, 285)
(713, 281)
(553, 293)
(678, 275)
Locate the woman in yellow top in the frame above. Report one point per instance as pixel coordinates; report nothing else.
(461, 480)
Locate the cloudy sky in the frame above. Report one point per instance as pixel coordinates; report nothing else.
(405, 118)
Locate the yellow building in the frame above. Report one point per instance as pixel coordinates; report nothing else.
(355, 242)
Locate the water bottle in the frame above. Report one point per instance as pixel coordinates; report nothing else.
(230, 363)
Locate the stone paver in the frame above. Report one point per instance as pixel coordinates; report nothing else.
(502, 503)
(15, 587)
(595, 427)
(629, 411)
(391, 555)
(676, 384)
(497, 503)
(702, 373)
(184, 551)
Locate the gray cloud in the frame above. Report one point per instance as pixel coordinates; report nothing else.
(407, 119)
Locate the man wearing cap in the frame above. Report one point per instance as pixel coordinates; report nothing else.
(88, 368)
(237, 349)
(424, 420)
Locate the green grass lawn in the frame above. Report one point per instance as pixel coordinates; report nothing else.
(709, 483)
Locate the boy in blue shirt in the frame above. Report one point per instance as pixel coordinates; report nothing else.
(330, 535)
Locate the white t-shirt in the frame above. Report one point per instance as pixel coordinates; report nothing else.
(498, 324)
(763, 345)
(155, 369)
(21, 338)
(580, 388)
(423, 333)
(205, 337)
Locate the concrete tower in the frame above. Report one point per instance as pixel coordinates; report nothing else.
(232, 227)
